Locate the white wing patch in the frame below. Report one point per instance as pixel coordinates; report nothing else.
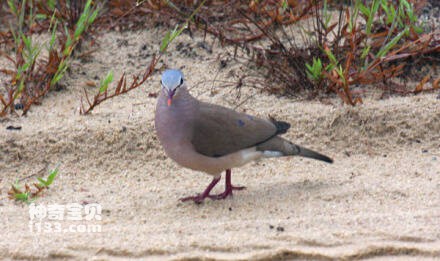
(272, 153)
(250, 154)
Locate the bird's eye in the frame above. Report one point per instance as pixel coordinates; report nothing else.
(181, 81)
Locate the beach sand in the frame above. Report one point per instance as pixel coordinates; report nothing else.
(380, 199)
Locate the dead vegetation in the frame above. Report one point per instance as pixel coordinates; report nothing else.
(32, 76)
(352, 46)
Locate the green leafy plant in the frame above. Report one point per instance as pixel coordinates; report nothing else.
(49, 180)
(138, 80)
(362, 47)
(105, 82)
(17, 193)
(369, 13)
(389, 31)
(29, 193)
(35, 76)
(314, 71)
(170, 36)
(326, 15)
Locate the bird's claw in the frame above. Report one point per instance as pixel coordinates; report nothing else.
(199, 198)
(238, 187)
(226, 193)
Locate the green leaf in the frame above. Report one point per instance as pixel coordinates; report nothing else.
(354, 16)
(16, 185)
(165, 42)
(388, 11)
(105, 82)
(373, 10)
(42, 182)
(92, 17)
(27, 41)
(284, 5)
(84, 20)
(80, 27)
(59, 73)
(326, 15)
(314, 71)
(331, 56)
(68, 44)
(56, 79)
(12, 7)
(364, 10)
(169, 36)
(40, 16)
(51, 4)
(340, 72)
(384, 50)
(405, 4)
(51, 177)
(392, 15)
(52, 20)
(365, 51)
(46, 183)
(384, 5)
(20, 88)
(21, 17)
(22, 196)
(87, 7)
(24, 67)
(418, 29)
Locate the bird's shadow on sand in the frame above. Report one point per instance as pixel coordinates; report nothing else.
(268, 195)
(281, 191)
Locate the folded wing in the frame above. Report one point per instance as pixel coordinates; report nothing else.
(219, 131)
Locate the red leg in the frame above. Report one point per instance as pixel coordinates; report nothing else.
(228, 188)
(200, 197)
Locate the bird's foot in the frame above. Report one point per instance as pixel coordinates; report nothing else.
(198, 199)
(226, 193)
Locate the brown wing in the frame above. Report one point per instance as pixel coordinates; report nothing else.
(219, 131)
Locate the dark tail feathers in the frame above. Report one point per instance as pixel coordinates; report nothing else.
(281, 126)
(312, 154)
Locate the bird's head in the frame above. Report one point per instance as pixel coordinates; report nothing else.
(171, 81)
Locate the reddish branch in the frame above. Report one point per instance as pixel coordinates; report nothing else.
(121, 88)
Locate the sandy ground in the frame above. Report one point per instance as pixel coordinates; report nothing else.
(380, 199)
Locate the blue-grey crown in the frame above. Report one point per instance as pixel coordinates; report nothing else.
(172, 79)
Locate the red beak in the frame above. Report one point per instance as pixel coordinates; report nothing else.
(170, 97)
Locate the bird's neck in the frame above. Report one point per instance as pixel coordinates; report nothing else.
(175, 121)
(182, 101)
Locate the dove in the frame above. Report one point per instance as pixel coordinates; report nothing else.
(210, 138)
